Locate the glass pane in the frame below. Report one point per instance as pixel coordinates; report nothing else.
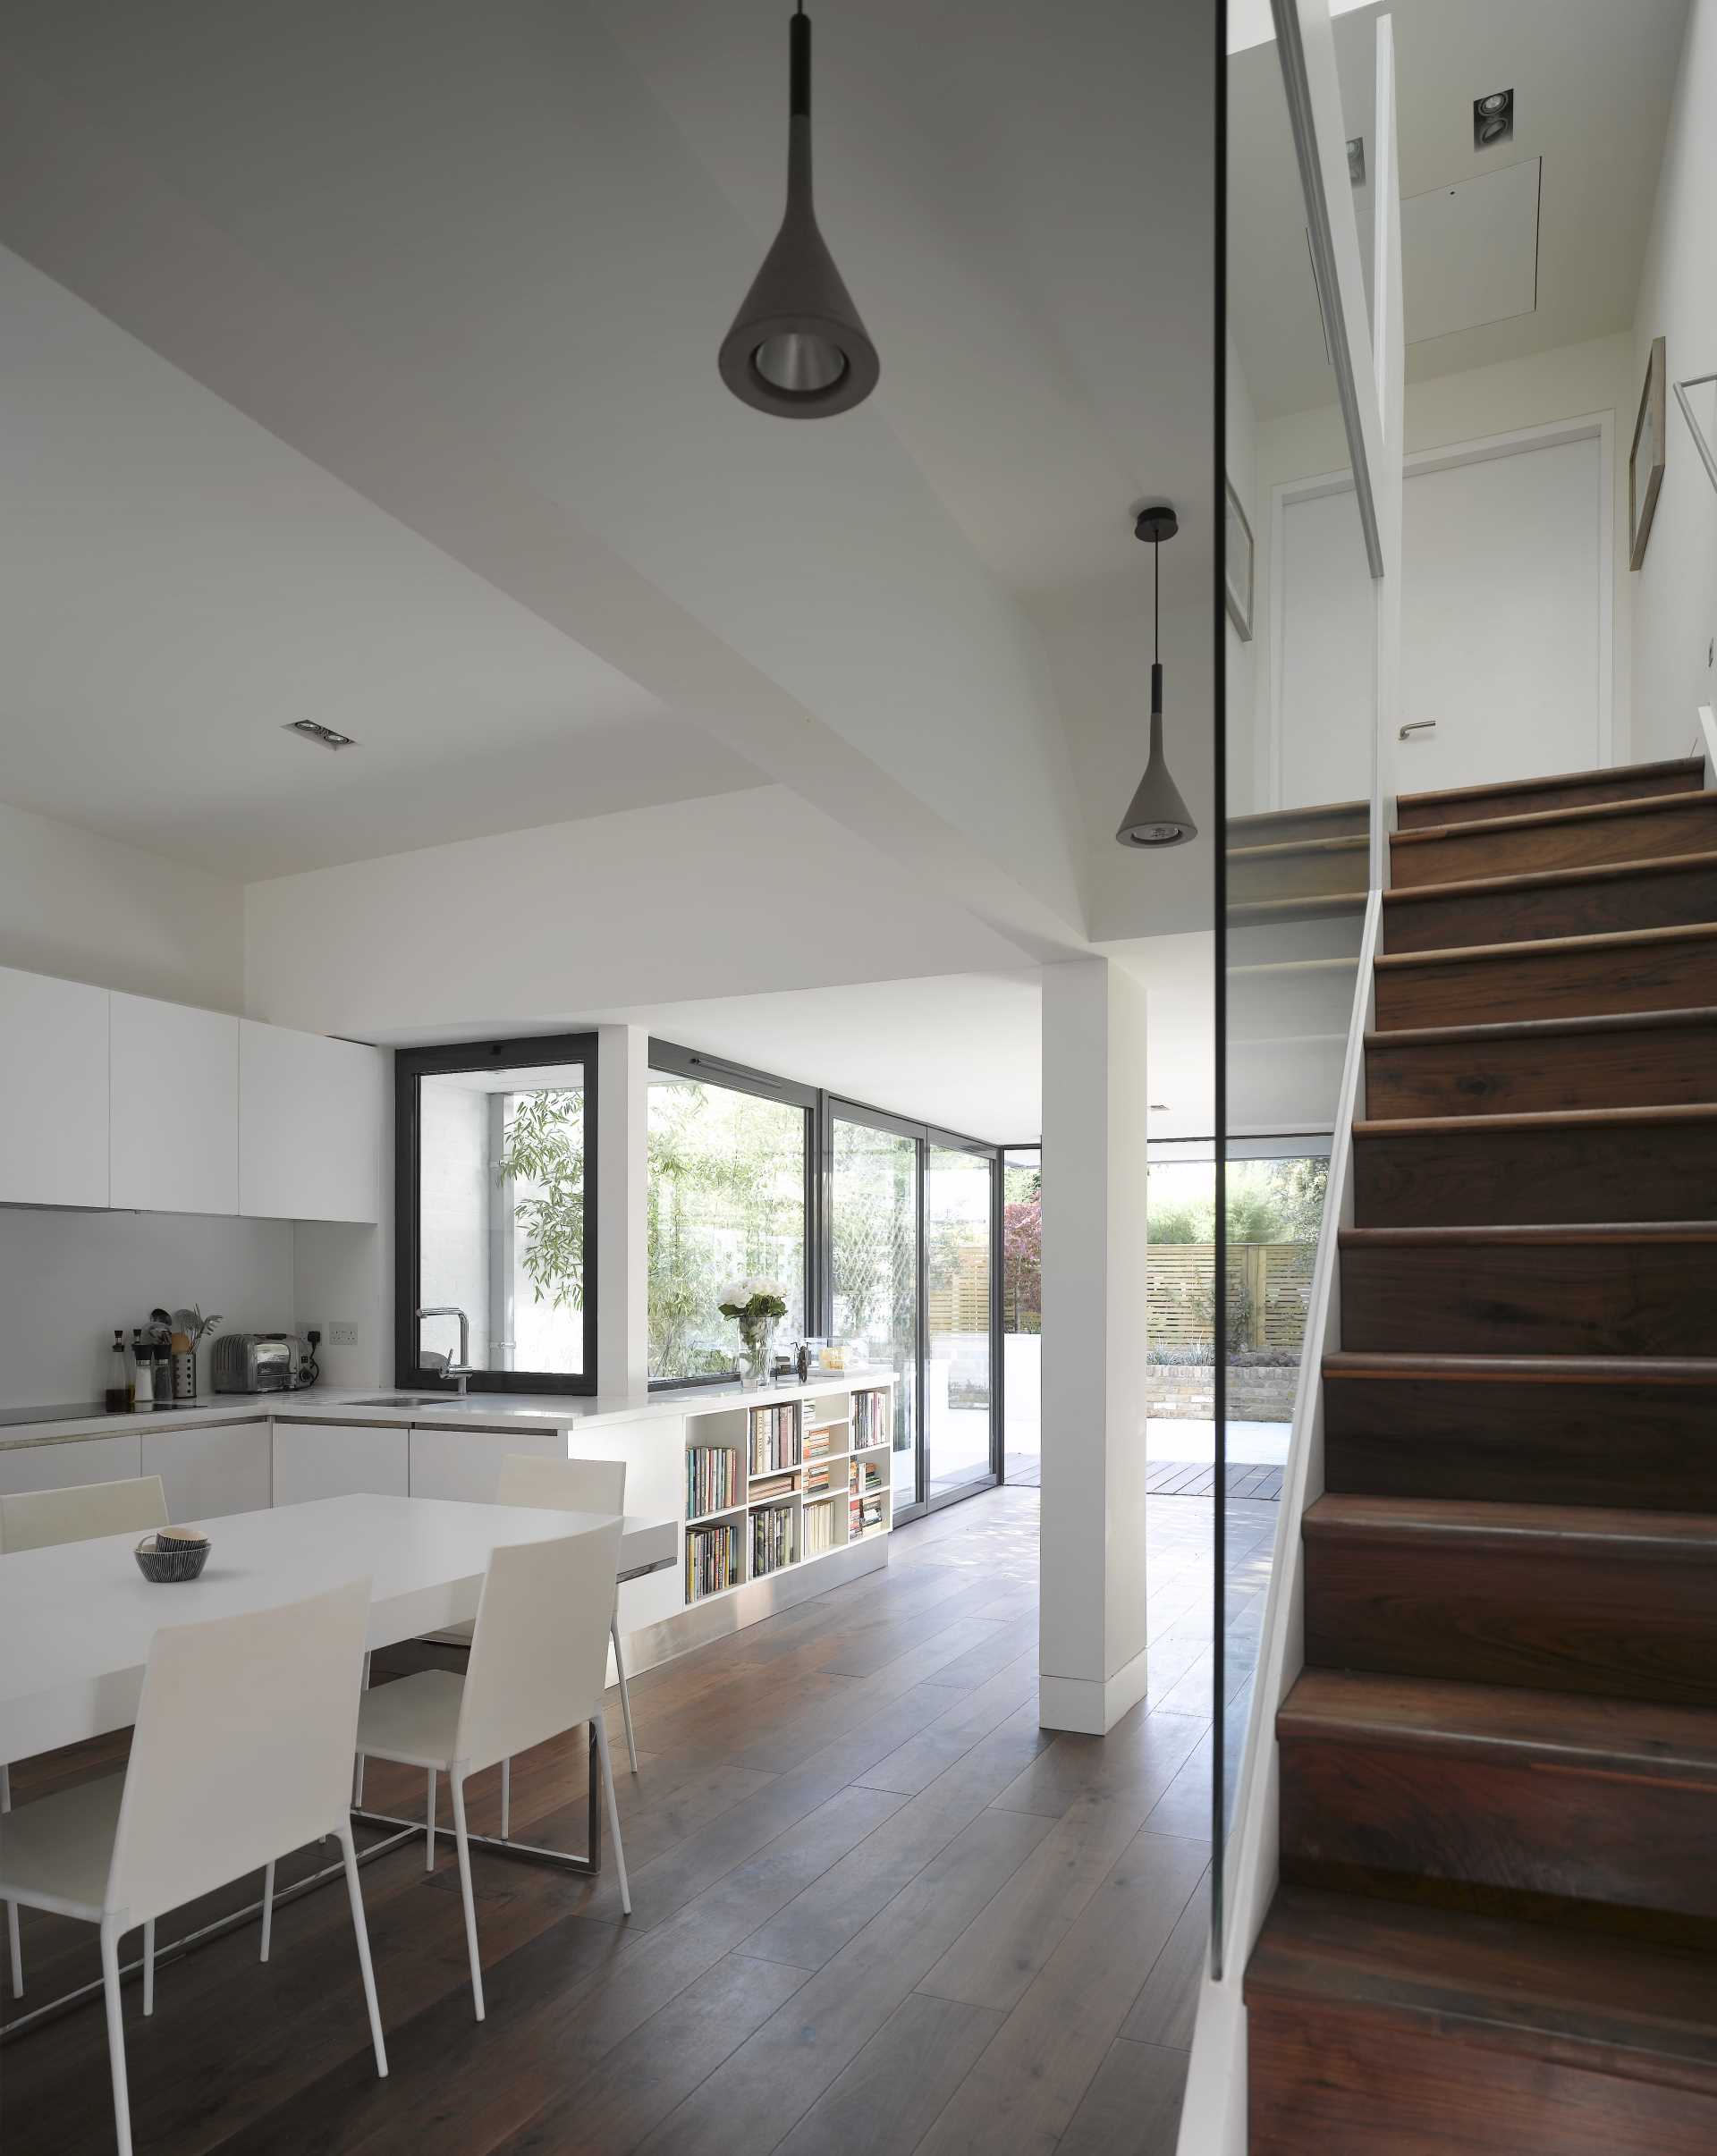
(1022, 1316)
(958, 1375)
(726, 1199)
(873, 1222)
(501, 1216)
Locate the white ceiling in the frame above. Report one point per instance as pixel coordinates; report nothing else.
(474, 265)
(1592, 80)
(178, 585)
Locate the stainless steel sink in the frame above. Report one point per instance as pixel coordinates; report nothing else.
(406, 1399)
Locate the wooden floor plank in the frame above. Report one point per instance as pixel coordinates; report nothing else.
(1132, 2107)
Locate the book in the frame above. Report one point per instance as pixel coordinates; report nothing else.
(712, 1559)
(772, 1540)
(776, 1435)
(712, 1480)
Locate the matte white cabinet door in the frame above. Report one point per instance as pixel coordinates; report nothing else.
(206, 1472)
(79, 1460)
(54, 1091)
(466, 1463)
(309, 1126)
(338, 1460)
(174, 1115)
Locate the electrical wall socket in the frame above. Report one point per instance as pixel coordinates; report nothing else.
(342, 1334)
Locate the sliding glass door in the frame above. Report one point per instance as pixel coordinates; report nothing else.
(875, 1211)
(959, 1281)
(914, 1228)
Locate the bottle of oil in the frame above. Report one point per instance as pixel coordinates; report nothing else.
(117, 1398)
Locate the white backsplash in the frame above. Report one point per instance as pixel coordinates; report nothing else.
(67, 1279)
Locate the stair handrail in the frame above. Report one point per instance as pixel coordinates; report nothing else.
(1698, 433)
(1212, 2119)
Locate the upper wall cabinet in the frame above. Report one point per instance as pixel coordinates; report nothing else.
(174, 1119)
(309, 1126)
(52, 1091)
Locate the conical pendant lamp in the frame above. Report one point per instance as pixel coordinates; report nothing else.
(1157, 816)
(796, 347)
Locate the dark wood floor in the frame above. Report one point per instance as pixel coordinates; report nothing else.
(875, 1909)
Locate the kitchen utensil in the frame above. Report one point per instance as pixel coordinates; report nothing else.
(184, 1367)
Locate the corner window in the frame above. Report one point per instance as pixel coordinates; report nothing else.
(729, 1198)
(496, 1214)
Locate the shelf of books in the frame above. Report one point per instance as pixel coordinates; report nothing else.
(780, 1485)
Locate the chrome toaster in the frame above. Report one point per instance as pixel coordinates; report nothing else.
(261, 1362)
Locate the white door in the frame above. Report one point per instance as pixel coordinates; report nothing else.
(1502, 598)
(173, 1119)
(330, 1459)
(54, 1091)
(1501, 608)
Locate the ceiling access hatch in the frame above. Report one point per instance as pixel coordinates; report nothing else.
(1470, 252)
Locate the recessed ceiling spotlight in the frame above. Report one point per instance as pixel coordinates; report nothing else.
(1161, 1107)
(313, 730)
(1492, 119)
(1357, 160)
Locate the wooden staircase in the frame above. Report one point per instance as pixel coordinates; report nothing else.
(1496, 1927)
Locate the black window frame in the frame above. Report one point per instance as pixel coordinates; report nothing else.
(673, 1060)
(410, 1065)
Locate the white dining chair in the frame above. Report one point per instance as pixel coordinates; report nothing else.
(242, 1751)
(539, 1656)
(551, 1485)
(35, 1519)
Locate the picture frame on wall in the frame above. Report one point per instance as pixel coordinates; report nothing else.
(1237, 562)
(1645, 459)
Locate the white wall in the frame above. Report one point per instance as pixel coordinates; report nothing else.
(88, 909)
(67, 1279)
(729, 896)
(1675, 590)
(1571, 382)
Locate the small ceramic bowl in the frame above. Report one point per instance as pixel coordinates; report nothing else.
(174, 1555)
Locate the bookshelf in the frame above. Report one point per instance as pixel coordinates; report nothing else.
(774, 1485)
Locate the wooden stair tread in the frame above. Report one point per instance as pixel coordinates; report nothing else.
(1481, 1525)
(1527, 1369)
(1279, 850)
(1596, 1120)
(1532, 879)
(1622, 939)
(1523, 1985)
(1549, 819)
(1504, 1723)
(1560, 1233)
(1490, 1030)
(1689, 767)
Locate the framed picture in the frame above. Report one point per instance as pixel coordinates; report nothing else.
(1237, 562)
(1645, 460)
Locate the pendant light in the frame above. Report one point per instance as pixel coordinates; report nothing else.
(796, 347)
(1157, 816)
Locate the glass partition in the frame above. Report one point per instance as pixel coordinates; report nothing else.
(875, 1224)
(961, 1284)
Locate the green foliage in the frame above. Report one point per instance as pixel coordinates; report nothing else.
(1268, 1202)
(542, 1155)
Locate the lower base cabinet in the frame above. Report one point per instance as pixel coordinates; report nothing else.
(338, 1460)
(78, 1460)
(207, 1472)
(465, 1465)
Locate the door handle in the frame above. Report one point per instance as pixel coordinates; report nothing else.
(1416, 726)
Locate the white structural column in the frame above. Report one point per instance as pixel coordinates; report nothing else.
(622, 1168)
(1091, 1638)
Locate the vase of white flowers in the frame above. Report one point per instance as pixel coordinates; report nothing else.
(756, 1307)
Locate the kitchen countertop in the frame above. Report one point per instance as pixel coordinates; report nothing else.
(474, 1411)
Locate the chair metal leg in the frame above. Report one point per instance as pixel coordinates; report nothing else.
(13, 1946)
(429, 1831)
(149, 1967)
(625, 1696)
(506, 1798)
(456, 1781)
(357, 1765)
(614, 1812)
(267, 1907)
(115, 2034)
(355, 1896)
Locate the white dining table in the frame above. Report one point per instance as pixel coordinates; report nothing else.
(77, 1620)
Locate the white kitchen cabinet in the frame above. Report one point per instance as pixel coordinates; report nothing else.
(466, 1463)
(339, 1459)
(212, 1469)
(78, 1460)
(174, 1112)
(54, 1091)
(309, 1126)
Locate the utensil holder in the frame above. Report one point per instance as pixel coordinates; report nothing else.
(184, 1374)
